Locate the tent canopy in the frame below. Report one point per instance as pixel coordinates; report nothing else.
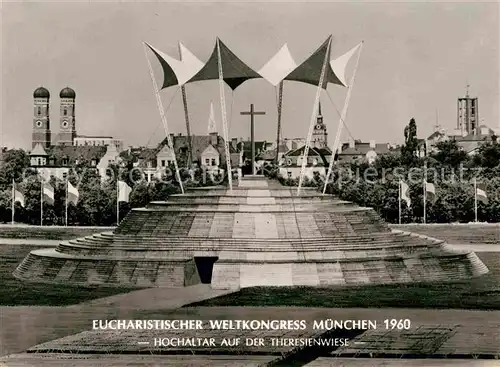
(177, 72)
(310, 70)
(235, 72)
(279, 66)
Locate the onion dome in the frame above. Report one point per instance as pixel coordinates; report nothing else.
(67, 93)
(41, 92)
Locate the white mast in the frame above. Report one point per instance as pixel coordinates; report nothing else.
(336, 143)
(313, 116)
(224, 117)
(163, 119)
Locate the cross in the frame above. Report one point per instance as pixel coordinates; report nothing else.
(252, 113)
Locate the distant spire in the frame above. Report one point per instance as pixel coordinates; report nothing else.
(437, 127)
(211, 120)
(467, 90)
(319, 109)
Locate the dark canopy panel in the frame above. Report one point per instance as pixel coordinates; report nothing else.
(235, 72)
(310, 70)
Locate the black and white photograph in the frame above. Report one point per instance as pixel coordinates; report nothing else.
(237, 183)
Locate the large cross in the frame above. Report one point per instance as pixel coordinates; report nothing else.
(252, 113)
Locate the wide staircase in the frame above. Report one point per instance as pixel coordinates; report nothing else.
(258, 234)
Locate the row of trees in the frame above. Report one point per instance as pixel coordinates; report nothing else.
(376, 185)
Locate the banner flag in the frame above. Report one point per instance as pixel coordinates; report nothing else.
(73, 194)
(405, 193)
(481, 193)
(124, 191)
(18, 195)
(431, 191)
(48, 193)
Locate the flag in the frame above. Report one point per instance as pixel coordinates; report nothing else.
(211, 120)
(124, 191)
(48, 193)
(18, 195)
(430, 189)
(405, 195)
(481, 193)
(73, 193)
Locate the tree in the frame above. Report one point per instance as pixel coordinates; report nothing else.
(448, 153)
(488, 155)
(409, 149)
(16, 162)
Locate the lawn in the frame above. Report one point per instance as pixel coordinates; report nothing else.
(481, 293)
(14, 292)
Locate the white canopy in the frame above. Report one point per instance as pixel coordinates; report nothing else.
(177, 72)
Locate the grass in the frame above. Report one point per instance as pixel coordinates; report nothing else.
(14, 292)
(481, 293)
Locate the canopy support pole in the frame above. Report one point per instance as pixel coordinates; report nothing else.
(278, 133)
(188, 128)
(224, 118)
(313, 116)
(336, 143)
(163, 119)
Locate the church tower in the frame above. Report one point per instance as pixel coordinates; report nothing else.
(320, 136)
(467, 115)
(67, 127)
(41, 120)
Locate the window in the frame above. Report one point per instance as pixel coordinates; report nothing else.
(39, 111)
(213, 162)
(207, 161)
(289, 174)
(65, 112)
(39, 162)
(163, 163)
(64, 175)
(65, 161)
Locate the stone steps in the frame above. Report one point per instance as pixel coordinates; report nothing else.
(253, 245)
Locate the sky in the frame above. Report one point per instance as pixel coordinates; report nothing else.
(416, 61)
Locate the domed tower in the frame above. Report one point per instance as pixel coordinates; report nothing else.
(67, 127)
(41, 120)
(320, 136)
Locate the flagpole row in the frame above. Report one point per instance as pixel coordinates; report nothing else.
(313, 116)
(163, 118)
(343, 116)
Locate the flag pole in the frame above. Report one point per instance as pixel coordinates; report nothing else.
(313, 116)
(163, 118)
(41, 203)
(343, 115)
(425, 191)
(13, 198)
(475, 200)
(66, 204)
(118, 202)
(224, 118)
(278, 132)
(399, 201)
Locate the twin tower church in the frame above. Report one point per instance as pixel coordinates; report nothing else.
(42, 133)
